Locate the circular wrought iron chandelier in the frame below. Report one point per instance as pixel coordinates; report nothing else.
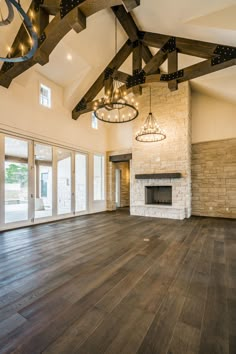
(33, 37)
(150, 132)
(116, 106)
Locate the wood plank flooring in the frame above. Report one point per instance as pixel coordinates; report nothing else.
(93, 285)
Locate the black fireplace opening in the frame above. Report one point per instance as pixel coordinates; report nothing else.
(161, 195)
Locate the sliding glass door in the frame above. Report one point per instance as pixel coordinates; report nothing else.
(16, 180)
(43, 180)
(63, 181)
(80, 182)
(40, 182)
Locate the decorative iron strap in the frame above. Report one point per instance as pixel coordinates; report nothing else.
(173, 76)
(37, 4)
(169, 46)
(67, 5)
(42, 38)
(137, 79)
(223, 53)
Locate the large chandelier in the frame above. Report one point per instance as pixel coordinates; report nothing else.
(27, 50)
(116, 106)
(150, 132)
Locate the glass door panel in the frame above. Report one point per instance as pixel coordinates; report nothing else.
(63, 181)
(43, 180)
(16, 180)
(80, 182)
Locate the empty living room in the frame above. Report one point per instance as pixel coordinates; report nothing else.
(117, 177)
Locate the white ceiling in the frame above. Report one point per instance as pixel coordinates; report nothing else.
(92, 49)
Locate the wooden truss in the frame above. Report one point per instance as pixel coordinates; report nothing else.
(72, 14)
(217, 57)
(68, 14)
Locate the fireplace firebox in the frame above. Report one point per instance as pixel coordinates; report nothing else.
(161, 195)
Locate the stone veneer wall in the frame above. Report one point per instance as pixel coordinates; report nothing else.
(171, 155)
(214, 178)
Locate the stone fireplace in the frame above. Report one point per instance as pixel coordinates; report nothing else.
(165, 166)
(158, 195)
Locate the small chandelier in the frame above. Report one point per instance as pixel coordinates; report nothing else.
(116, 106)
(150, 132)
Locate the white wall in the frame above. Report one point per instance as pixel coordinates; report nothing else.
(21, 113)
(212, 118)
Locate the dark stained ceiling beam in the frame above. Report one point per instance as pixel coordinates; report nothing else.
(159, 58)
(116, 62)
(131, 4)
(51, 6)
(137, 65)
(184, 45)
(51, 34)
(204, 68)
(189, 73)
(173, 67)
(127, 22)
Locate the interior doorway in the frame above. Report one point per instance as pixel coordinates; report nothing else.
(122, 184)
(118, 186)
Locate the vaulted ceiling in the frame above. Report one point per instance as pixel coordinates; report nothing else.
(79, 58)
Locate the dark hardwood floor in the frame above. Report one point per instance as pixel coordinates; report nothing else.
(93, 285)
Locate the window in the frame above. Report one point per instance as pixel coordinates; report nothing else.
(94, 121)
(45, 96)
(98, 168)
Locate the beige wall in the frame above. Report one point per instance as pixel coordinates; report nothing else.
(20, 111)
(214, 178)
(212, 118)
(22, 114)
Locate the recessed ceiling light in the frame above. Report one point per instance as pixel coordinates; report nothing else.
(69, 57)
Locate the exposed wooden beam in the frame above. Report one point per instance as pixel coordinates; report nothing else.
(153, 65)
(120, 76)
(203, 68)
(131, 4)
(51, 6)
(191, 72)
(116, 62)
(173, 67)
(127, 22)
(184, 45)
(137, 65)
(53, 32)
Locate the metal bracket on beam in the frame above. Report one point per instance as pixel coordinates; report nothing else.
(172, 76)
(223, 53)
(37, 4)
(67, 5)
(169, 46)
(108, 72)
(81, 105)
(137, 79)
(41, 39)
